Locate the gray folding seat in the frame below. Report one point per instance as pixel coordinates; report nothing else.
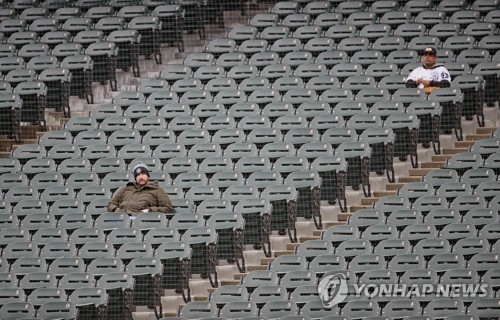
(492, 16)
(318, 45)
(428, 203)
(388, 44)
(173, 72)
(420, 278)
(442, 217)
(26, 152)
(278, 309)
(227, 294)
(445, 308)
(26, 265)
(44, 236)
(402, 58)
(480, 217)
(371, 30)
(401, 308)
(324, 263)
(360, 309)
(16, 310)
(417, 232)
(387, 204)
(404, 262)
(12, 180)
(430, 247)
(265, 293)
(489, 231)
(393, 247)
(91, 251)
(273, 33)
(457, 231)
(366, 263)
(352, 248)
(344, 70)
(18, 249)
(14, 234)
(26, 206)
(239, 309)
(338, 234)
(329, 59)
(275, 150)
(313, 248)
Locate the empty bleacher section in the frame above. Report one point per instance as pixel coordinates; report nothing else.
(289, 146)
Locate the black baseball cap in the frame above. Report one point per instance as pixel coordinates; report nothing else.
(429, 51)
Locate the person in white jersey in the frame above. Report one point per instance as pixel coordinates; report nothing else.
(429, 77)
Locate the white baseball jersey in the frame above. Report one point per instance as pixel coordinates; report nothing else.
(437, 73)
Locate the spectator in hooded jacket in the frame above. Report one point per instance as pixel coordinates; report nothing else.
(142, 195)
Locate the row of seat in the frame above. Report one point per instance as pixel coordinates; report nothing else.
(357, 309)
(352, 44)
(55, 227)
(406, 223)
(65, 310)
(200, 113)
(361, 18)
(381, 75)
(379, 7)
(481, 182)
(362, 28)
(198, 193)
(372, 63)
(303, 291)
(334, 66)
(77, 286)
(197, 141)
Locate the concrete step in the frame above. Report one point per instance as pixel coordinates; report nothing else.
(346, 215)
(4, 154)
(379, 194)
(291, 246)
(391, 187)
(333, 223)
(202, 298)
(368, 201)
(440, 157)
(475, 137)
(229, 283)
(432, 164)
(313, 237)
(254, 268)
(238, 276)
(6, 144)
(357, 207)
(485, 130)
(317, 233)
(25, 141)
(455, 150)
(266, 261)
(283, 253)
(419, 172)
(409, 179)
(464, 144)
(169, 315)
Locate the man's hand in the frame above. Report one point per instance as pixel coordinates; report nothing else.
(145, 210)
(426, 83)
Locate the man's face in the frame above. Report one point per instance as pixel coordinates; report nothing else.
(141, 179)
(429, 60)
